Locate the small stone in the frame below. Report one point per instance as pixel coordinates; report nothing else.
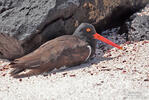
(72, 75)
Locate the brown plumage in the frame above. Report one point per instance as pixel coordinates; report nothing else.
(67, 50)
(53, 54)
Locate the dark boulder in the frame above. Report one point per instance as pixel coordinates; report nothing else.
(26, 24)
(137, 27)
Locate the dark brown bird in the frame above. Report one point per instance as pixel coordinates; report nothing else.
(66, 50)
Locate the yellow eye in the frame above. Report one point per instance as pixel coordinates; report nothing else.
(88, 30)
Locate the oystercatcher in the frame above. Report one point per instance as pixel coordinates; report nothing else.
(66, 50)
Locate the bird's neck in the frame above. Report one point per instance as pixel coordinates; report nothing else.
(89, 40)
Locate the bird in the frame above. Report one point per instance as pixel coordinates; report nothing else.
(66, 50)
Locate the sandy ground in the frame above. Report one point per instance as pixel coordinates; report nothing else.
(112, 75)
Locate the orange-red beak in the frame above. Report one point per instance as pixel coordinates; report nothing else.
(103, 39)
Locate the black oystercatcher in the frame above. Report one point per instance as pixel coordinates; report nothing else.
(66, 50)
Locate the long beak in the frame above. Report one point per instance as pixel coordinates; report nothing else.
(103, 39)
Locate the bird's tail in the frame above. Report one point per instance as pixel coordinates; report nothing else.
(29, 73)
(16, 71)
(17, 67)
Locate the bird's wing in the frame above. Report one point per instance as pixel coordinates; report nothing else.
(62, 51)
(68, 53)
(31, 59)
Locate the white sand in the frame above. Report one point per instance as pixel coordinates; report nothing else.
(113, 75)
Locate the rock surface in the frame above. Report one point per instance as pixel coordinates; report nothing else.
(31, 23)
(137, 27)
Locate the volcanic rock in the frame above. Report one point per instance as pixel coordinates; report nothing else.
(137, 27)
(26, 24)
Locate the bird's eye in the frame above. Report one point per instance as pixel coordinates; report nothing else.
(88, 30)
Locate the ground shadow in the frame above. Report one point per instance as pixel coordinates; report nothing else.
(94, 60)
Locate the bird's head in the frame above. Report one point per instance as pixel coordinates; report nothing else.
(88, 33)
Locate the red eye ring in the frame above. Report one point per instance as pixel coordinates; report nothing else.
(88, 30)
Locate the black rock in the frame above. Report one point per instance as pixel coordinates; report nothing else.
(137, 27)
(26, 24)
